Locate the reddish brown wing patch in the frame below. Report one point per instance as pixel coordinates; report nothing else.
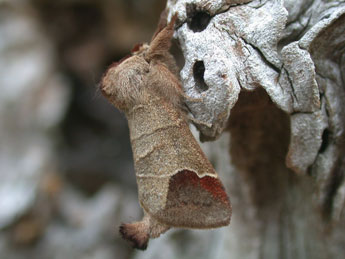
(195, 202)
(215, 187)
(208, 183)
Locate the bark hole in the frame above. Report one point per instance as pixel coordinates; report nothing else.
(260, 134)
(197, 21)
(325, 140)
(198, 74)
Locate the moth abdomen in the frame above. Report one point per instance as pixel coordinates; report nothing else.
(136, 233)
(139, 233)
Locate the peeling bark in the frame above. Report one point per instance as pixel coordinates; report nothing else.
(272, 74)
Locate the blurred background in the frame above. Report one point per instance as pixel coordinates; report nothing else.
(66, 173)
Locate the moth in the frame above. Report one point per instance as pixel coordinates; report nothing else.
(177, 185)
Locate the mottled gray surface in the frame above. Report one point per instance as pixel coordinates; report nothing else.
(294, 50)
(66, 176)
(238, 52)
(239, 48)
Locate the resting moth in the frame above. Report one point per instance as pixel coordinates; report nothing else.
(177, 185)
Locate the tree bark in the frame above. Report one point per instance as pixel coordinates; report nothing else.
(271, 73)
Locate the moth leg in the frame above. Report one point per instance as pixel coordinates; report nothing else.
(138, 233)
(191, 99)
(157, 228)
(187, 98)
(191, 119)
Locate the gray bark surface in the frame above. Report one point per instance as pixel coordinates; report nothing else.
(271, 73)
(273, 98)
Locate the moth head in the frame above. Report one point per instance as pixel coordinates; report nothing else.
(124, 81)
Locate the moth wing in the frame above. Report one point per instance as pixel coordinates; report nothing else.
(194, 202)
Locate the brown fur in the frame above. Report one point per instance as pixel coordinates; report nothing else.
(136, 233)
(168, 160)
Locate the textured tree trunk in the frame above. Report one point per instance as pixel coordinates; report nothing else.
(272, 74)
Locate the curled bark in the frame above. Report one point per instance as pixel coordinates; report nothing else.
(272, 73)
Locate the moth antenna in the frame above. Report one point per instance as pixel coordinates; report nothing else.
(162, 23)
(162, 40)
